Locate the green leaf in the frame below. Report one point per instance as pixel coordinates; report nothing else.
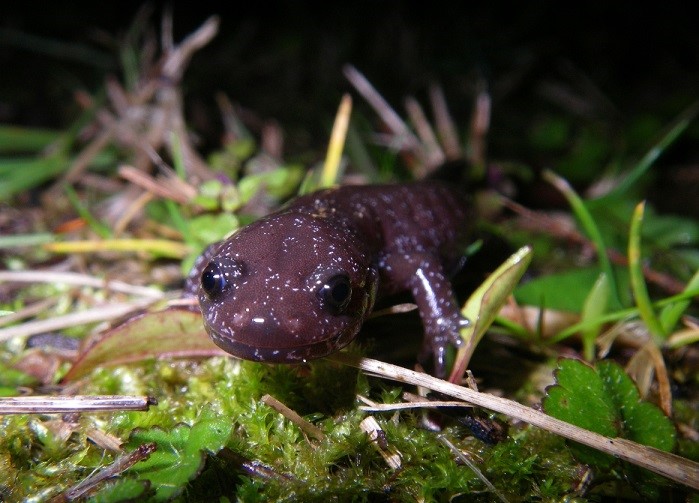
(591, 228)
(279, 183)
(181, 452)
(605, 400)
(594, 307)
(485, 303)
(21, 139)
(638, 282)
(671, 314)
(207, 229)
(579, 397)
(669, 230)
(566, 291)
(18, 174)
(641, 421)
(172, 332)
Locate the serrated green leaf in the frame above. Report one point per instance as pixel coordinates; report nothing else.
(565, 401)
(168, 469)
(579, 397)
(181, 452)
(605, 400)
(209, 433)
(641, 421)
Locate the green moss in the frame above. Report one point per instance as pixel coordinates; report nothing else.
(215, 403)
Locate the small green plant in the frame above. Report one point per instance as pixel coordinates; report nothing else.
(605, 400)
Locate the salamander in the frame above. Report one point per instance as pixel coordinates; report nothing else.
(298, 284)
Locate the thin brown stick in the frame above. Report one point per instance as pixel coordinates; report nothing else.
(389, 116)
(169, 188)
(73, 403)
(72, 278)
(306, 426)
(377, 436)
(434, 152)
(120, 465)
(102, 313)
(28, 311)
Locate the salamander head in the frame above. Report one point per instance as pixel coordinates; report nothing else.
(287, 288)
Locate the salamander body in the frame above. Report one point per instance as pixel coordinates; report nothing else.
(298, 283)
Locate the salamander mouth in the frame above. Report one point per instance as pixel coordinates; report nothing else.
(294, 354)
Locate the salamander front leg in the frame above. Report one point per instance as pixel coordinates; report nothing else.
(439, 312)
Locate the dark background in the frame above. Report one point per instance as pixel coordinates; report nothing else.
(616, 60)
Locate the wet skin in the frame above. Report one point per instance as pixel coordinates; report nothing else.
(297, 284)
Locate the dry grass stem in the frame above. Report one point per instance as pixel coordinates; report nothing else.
(445, 124)
(435, 154)
(102, 313)
(465, 460)
(72, 278)
(398, 128)
(306, 426)
(74, 403)
(378, 439)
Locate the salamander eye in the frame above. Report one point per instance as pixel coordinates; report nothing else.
(213, 281)
(336, 292)
(219, 276)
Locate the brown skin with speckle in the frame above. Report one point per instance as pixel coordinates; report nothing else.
(297, 284)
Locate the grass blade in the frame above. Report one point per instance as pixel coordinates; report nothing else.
(672, 313)
(638, 283)
(594, 307)
(619, 315)
(674, 131)
(19, 139)
(331, 167)
(157, 247)
(591, 229)
(17, 175)
(100, 229)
